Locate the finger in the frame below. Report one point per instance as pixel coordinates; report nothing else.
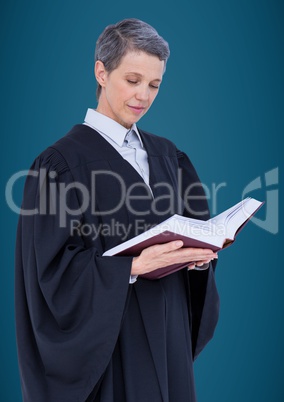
(197, 254)
(168, 247)
(202, 267)
(200, 263)
(180, 256)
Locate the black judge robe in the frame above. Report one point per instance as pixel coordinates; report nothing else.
(83, 332)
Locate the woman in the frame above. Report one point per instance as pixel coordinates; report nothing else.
(93, 328)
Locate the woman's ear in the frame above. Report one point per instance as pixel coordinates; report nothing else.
(100, 73)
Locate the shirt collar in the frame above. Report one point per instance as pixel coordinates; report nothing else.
(109, 127)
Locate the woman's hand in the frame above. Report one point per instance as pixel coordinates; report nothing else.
(162, 255)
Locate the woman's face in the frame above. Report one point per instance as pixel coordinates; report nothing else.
(129, 90)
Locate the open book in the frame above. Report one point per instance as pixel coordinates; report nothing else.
(215, 233)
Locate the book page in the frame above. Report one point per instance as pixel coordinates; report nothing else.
(233, 218)
(194, 222)
(203, 231)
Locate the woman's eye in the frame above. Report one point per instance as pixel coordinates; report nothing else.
(132, 82)
(154, 86)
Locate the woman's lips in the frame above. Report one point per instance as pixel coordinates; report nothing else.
(136, 109)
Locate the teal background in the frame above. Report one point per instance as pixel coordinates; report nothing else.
(221, 101)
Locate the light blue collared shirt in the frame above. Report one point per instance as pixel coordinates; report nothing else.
(115, 134)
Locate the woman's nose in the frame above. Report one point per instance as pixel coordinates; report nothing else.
(142, 93)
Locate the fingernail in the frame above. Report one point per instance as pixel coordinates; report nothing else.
(179, 243)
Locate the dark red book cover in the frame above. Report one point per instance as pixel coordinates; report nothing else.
(161, 238)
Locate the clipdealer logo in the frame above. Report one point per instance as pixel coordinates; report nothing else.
(268, 183)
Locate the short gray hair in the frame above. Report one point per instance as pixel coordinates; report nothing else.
(128, 35)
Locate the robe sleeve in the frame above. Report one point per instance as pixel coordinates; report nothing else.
(69, 300)
(204, 299)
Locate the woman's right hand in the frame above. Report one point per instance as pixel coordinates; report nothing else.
(162, 255)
